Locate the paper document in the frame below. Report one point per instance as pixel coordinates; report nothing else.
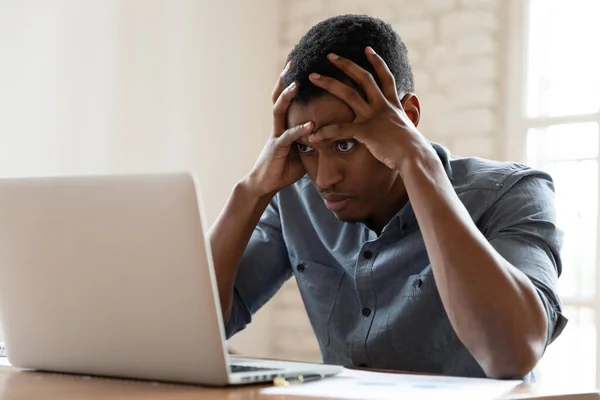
(353, 384)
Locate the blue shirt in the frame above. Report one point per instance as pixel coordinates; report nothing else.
(372, 300)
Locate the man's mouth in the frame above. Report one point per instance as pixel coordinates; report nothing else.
(336, 203)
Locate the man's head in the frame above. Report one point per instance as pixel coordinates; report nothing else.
(346, 169)
(347, 36)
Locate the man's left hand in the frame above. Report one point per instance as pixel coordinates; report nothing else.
(381, 123)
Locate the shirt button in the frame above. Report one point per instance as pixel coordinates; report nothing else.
(300, 267)
(366, 312)
(367, 254)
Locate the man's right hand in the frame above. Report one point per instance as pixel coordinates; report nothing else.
(278, 165)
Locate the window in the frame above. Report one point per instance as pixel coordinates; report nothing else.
(558, 126)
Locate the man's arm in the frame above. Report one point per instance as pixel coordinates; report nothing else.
(277, 167)
(230, 235)
(493, 307)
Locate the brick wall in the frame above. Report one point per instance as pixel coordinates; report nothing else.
(458, 55)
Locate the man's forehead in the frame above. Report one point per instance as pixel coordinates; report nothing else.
(323, 110)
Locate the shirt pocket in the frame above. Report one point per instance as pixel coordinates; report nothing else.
(319, 285)
(418, 329)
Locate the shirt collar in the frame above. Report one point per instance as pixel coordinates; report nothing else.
(405, 220)
(444, 156)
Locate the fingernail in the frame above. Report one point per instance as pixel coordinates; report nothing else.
(287, 66)
(306, 125)
(370, 50)
(292, 86)
(314, 75)
(333, 56)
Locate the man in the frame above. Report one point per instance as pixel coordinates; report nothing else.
(406, 258)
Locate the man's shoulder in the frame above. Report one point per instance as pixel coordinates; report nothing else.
(476, 173)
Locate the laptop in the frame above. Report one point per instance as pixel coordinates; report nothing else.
(113, 276)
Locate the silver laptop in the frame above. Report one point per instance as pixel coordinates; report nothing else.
(113, 276)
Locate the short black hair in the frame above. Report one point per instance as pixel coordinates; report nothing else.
(347, 36)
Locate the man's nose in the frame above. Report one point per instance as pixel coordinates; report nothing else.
(329, 173)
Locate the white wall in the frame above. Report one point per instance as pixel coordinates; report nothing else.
(94, 86)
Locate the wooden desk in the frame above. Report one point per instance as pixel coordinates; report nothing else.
(24, 385)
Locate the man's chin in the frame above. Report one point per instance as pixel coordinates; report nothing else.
(347, 217)
(352, 212)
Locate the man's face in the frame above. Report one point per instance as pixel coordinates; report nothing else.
(353, 184)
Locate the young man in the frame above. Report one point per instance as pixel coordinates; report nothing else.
(406, 257)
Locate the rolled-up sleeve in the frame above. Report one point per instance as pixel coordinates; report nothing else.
(264, 268)
(521, 226)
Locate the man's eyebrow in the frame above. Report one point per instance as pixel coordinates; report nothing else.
(303, 141)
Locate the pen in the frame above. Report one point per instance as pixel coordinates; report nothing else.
(282, 381)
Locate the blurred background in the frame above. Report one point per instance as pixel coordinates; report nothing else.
(101, 86)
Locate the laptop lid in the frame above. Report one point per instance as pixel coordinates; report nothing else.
(108, 275)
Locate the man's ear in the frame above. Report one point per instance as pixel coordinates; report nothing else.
(412, 107)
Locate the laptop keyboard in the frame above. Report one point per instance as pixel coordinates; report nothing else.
(248, 368)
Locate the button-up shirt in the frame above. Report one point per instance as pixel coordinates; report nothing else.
(372, 300)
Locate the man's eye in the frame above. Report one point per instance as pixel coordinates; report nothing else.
(345, 145)
(302, 148)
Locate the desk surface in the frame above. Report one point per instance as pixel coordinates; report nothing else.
(24, 385)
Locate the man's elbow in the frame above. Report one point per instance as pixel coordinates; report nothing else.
(513, 364)
(516, 351)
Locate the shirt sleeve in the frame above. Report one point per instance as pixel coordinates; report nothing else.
(263, 269)
(521, 226)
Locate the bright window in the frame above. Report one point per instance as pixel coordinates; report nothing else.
(560, 117)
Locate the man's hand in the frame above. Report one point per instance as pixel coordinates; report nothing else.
(381, 124)
(278, 166)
